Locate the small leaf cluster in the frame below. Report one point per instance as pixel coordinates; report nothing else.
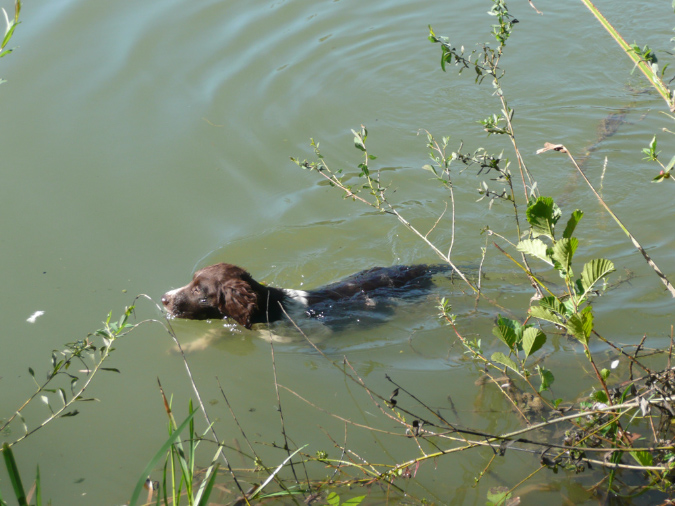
(335, 177)
(563, 310)
(84, 352)
(502, 30)
(652, 155)
(647, 55)
(567, 310)
(10, 26)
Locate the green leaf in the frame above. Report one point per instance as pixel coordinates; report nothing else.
(9, 33)
(333, 499)
(553, 304)
(500, 358)
(542, 215)
(545, 314)
(670, 165)
(562, 253)
(572, 223)
(599, 396)
(569, 304)
(604, 373)
(498, 496)
(204, 500)
(509, 331)
(274, 473)
(14, 476)
(358, 141)
(430, 168)
(158, 456)
(594, 271)
(38, 488)
(644, 458)
(533, 339)
(536, 248)
(354, 501)
(546, 377)
(580, 325)
(658, 179)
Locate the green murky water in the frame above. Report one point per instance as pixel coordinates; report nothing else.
(140, 141)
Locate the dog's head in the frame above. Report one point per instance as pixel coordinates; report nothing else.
(215, 292)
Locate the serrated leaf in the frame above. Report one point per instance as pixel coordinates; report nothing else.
(510, 332)
(572, 223)
(594, 271)
(553, 304)
(533, 339)
(569, 305)
(536, 248)
(545, 314)
(500, 358)
(580, 325)
(542, 215)
(644, 458)
(563, 252)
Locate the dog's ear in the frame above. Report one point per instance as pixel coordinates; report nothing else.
(237, 300)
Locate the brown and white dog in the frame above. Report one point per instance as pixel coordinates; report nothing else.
(226, 291)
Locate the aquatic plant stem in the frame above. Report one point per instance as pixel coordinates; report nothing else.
(559, 147)
(643, 65)
(391, 210)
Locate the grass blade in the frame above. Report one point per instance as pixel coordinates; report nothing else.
(203, 501)
(158, 456)
(271, 476)
(14, 476)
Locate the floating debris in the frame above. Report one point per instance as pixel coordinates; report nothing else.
(34, 316)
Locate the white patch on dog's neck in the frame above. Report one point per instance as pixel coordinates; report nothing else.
(299, 296)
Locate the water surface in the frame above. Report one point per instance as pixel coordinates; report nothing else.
(141, 141)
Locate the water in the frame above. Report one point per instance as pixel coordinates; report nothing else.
(142, 141)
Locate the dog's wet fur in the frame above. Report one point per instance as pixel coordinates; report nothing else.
(226, 291)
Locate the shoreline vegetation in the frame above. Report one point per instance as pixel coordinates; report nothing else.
(619, 434)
